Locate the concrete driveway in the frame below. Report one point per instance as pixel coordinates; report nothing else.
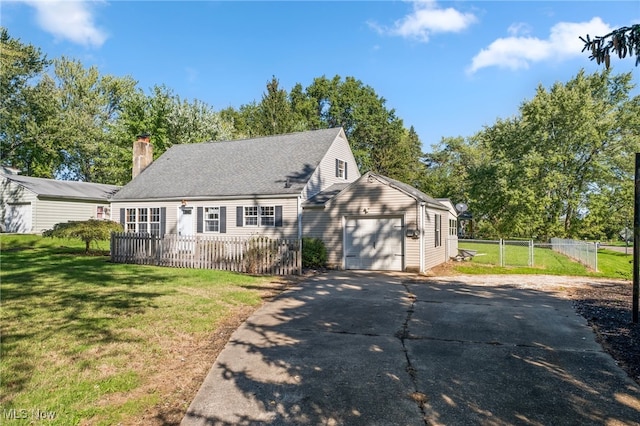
(359, 348)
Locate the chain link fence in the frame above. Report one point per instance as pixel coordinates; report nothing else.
(528, 253)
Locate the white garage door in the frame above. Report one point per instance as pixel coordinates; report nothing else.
(373, 243)
(17, 218)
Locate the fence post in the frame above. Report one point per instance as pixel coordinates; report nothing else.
(531, 262)
(501, 252)
(596, 256)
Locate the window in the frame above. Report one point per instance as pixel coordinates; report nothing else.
(103, 212)
(267, 216)
(143, 220)
(212, 219)
(453, 227)
(341, 169)
(438, 222)
(251, 216)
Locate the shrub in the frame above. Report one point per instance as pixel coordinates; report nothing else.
(87, 230)
(314, 253)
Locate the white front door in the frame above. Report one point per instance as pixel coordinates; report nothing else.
(373, 243)
(185, 221)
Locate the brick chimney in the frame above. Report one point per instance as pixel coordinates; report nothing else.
(142, 154)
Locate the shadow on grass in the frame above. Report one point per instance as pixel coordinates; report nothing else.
(49, 294)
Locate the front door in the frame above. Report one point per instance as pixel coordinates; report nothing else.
(185, 221)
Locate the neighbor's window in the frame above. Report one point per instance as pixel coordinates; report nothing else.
(438, 229)
(341, 169)
(251, 216)
(212, 219)
(143, 220)
(103, 212)
(267, 216)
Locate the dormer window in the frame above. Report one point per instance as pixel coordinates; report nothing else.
(341, 169)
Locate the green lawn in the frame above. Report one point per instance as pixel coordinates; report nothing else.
(487, 260)
(84, 338)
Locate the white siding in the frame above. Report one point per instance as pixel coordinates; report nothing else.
(325, 174)
(365, 199)
(289, 228)
(48, 212)
(14, 194)
(434, 256)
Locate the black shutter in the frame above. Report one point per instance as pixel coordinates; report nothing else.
(122, 213)
(345, 170)
(200, 218)
(337, 168)
(278, 218)
(163, 221)
(223, 220)
(239, 216)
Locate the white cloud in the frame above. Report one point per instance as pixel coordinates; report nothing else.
(518, 52)
(428, 18)
(70, 20)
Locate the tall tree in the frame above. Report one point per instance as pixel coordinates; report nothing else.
(569, 143)
(26, 106)
(274, 111)
(89, 105)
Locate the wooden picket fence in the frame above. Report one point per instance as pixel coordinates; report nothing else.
(255, 255)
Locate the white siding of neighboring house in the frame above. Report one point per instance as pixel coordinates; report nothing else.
(325, 174)
(378, 199)
(48, 212)
(12, 194)
(289, 228)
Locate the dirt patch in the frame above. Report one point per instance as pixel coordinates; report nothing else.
(189, 359)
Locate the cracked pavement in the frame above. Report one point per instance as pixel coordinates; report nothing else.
(365, 348)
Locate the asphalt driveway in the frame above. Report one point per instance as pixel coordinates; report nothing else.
(384, 349)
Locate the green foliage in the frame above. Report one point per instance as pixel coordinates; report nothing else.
(621, 41)
(314, 253)
(562, 167)
(87, 231)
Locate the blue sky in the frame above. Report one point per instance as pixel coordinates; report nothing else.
(447, 67)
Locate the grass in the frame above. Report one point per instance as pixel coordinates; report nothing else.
(84, 338)
(610, 264)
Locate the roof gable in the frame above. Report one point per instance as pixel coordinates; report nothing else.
(334, 192)
(281, 164)
(63, 188)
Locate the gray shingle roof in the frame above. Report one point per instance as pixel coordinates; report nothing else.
(321, 198)
(268, 165)
(64, 188)
(417, 194)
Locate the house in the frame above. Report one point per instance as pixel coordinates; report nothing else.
(296, 185)
(32, 205)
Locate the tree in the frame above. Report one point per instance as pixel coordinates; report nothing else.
(88, 107)
(622, 42)
(26, 107)
(570, 146)
(87, 231)
(274, 111)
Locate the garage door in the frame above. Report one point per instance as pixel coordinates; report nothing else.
(17, 218)
(373, 243)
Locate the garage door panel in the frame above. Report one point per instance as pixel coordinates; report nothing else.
(374, 243)
(18, 218)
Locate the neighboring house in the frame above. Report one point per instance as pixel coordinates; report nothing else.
(32, 205)
(287, 186)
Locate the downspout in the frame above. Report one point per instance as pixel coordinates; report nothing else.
(421, 234)
(299, 209)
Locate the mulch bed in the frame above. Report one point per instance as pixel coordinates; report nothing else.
(607, 307)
